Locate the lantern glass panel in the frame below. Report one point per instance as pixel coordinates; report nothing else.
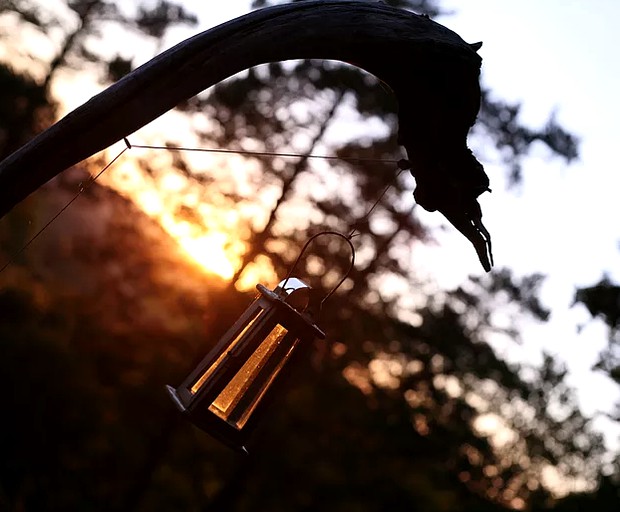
(225, 354)
(232, 404)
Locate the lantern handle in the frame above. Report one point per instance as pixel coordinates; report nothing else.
(303, 250)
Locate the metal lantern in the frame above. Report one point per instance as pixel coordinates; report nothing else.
(226, 392)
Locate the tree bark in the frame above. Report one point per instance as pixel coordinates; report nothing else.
(423, 62)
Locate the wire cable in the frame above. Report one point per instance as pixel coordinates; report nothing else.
(402, 165)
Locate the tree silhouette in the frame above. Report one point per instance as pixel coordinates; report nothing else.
(386, 415)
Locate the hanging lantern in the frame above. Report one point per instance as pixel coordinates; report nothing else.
(227, 391)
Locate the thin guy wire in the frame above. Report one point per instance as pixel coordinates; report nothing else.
(298, 155)
(80, 191)
(128, 145)
(264, 153)
(375, 204)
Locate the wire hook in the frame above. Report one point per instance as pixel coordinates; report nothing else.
(303, 250)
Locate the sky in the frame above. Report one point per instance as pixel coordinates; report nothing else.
(557, 56)
(553, 56)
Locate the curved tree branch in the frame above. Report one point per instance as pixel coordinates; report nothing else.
(432, 71)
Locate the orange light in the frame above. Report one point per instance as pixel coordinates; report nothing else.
(210, 237)
(209, 251)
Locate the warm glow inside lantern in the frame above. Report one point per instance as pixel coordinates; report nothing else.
(226, 392)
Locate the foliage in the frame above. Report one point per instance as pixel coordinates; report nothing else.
(28, 112)
(254, 112)
(603, 301)
(389, 414)
(83, 24)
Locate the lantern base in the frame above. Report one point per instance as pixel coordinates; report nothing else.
(177, 401)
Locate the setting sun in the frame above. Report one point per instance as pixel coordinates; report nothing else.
(210, 252)
(212, 234)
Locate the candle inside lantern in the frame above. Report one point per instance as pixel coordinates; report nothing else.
(230, 404)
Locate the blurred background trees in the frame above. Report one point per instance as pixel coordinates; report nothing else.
(406, 406)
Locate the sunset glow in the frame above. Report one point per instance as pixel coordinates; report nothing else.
(209, 251)
(214, 236)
